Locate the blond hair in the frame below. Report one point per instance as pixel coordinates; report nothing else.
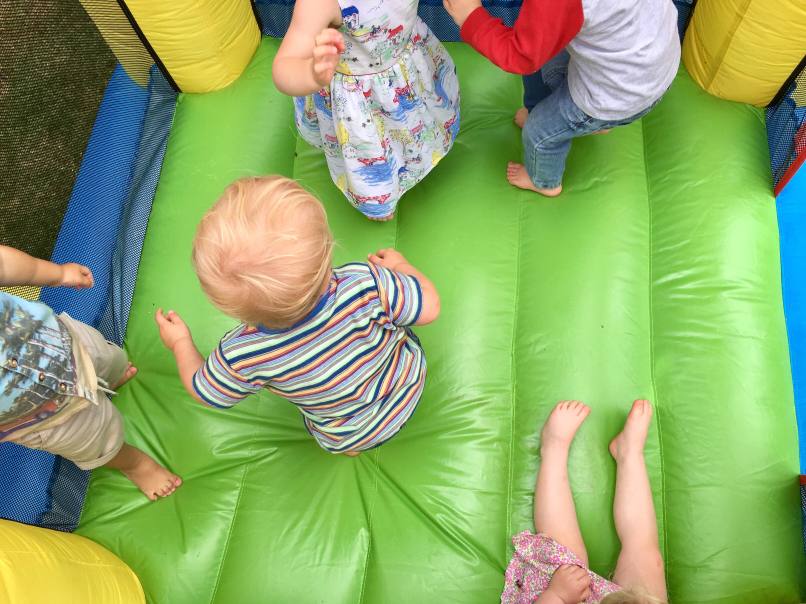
(630, 596)
(263, 251)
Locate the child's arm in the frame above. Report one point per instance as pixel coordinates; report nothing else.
(177, 338)
(309, 53)
(18, 268)
(543, 28)
(395, 261)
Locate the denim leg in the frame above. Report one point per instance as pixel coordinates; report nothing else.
(534, 90)
(539, 85)
(547, 136)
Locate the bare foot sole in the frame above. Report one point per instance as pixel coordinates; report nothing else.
(519, 177)
(130, 372)
(562, 425)
(520, 117)
(383, 219)
(152, 479)
(630, 441)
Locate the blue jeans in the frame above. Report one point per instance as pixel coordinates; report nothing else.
(553, 121)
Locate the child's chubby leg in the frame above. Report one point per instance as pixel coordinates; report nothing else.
(554, 513)
(640, 564)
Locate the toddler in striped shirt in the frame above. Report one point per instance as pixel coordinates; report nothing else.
(335, 342)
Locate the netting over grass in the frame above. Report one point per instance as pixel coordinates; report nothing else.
(54, 66)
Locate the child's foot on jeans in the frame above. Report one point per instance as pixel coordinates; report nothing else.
(520, 117)
(519, 177)
(562, 425)
(630, 441)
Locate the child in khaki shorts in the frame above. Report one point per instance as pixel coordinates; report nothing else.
(55, 379)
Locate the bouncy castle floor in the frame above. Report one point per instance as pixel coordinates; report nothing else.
(654, 275)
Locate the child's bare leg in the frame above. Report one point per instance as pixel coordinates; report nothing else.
(555, 514)
(640, 564)
(150, 477)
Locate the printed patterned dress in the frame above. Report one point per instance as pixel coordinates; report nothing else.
(391, 112)
(533, 564)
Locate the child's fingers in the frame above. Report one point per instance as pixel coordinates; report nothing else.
(325, 51)
(330, 36)
(374, 259)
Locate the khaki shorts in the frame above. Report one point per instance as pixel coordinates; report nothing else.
(89, 431)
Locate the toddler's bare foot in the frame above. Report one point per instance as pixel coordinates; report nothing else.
(383, 218)
(130, 372)
(519, 177)
(562, 425)
(352, 453)
(520, 116)
(152, 479)
(630, 441)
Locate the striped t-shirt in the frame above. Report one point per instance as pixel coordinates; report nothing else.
(351, 366)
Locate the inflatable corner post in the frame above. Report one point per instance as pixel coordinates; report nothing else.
(41, 566)
(201, 45)
(744, 50)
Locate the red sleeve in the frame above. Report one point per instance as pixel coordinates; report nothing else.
(543, 28)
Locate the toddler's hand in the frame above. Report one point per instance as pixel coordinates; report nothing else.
(460, 10)
(76, 275)
(172, 328)
(328, 45)
(388, 258)
(571, 584)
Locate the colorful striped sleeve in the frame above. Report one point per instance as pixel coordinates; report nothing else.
(400, 295)
(218, 385)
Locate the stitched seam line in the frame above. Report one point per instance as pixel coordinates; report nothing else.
(229, 532)
(376, 455)
(656, 401)
(370, 517)
(513, 371)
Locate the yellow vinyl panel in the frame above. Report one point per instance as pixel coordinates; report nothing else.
(203, 44)
(41, 566)
(744, 50)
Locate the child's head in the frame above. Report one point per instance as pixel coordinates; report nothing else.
(263, 251)
(629, 596)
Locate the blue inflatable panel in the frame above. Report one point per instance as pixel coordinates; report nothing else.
(90, 227)
(25, 476)
(36, 487)
(792, 227)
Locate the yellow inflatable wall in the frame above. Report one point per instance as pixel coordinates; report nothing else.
(744, 50)
(40, 566)
(204, 44)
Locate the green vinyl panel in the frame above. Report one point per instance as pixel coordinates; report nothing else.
(654, 275)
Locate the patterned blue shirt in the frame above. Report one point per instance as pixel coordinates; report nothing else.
(37, 368)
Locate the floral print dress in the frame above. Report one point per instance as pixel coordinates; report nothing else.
(533, 563)
(391, 112)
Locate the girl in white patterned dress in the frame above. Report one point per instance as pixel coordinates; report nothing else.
(379, 95)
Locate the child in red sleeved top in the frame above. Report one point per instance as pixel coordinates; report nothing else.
(620, 57)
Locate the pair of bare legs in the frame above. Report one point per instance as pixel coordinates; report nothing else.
(640, 564)
(517, 174)
(139, 467)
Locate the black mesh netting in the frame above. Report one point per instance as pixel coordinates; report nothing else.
(786, 124)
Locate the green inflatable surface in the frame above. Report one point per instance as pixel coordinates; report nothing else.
(654, 275)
